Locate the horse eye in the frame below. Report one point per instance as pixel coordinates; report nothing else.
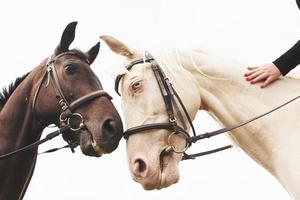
(71, 68)
(137, 85)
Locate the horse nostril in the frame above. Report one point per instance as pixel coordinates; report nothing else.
(139, 168)
(108, 126)
(111, 133)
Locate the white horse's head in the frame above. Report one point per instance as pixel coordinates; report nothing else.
(150, 161)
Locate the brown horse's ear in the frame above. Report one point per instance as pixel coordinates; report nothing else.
(93, 52)
(66, 38)
(117, 46)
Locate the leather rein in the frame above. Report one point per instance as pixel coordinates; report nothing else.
(68, 118)
(170, 96)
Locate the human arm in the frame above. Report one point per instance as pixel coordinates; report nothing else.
(289, 60)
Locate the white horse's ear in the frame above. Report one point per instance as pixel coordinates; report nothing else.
(117, 46)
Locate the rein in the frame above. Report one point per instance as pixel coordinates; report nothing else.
(69, 120)
(37, 143)
(169, 94)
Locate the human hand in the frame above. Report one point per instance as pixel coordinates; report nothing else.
(266, 73)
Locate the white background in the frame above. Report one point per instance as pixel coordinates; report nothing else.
(249, 31)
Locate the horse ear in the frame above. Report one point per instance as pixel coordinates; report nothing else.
(93, 52)
(117, 46)
(66, 38)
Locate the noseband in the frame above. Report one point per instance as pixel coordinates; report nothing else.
(171, 97)
(68, 116)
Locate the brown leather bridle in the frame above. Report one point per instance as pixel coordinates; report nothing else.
(68, 118)
(169, 95)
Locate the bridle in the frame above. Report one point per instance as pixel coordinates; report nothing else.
(67, 116)
(69, 120)
(171, 97)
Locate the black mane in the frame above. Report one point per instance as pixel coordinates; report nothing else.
(6, 92)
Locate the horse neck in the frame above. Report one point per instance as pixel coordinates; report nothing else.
(17, 120)
(18, 128)
(227, 96)
(230, 99)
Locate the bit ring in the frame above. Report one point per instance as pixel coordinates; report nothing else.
(173, 146)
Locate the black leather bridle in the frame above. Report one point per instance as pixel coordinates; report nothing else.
(170, 96)
(68, 118)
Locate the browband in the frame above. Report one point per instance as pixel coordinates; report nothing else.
(128, 67)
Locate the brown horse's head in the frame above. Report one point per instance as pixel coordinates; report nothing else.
(70, 79)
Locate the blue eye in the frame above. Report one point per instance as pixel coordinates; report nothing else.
(71, 68)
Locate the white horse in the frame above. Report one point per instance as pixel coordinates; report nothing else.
(216, 85)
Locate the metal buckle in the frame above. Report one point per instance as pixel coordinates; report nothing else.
(172, 120)
(173, 147)
(62, 117)
(75, 121)
(63, 104)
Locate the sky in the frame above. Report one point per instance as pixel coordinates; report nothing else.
(249, 31)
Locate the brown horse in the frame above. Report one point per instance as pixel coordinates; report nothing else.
(42, 97)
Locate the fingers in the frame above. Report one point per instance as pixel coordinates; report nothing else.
(251, 68)
(252, 77)
(268, 81)
(266, 73)
(260, 77)
(251, 71)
